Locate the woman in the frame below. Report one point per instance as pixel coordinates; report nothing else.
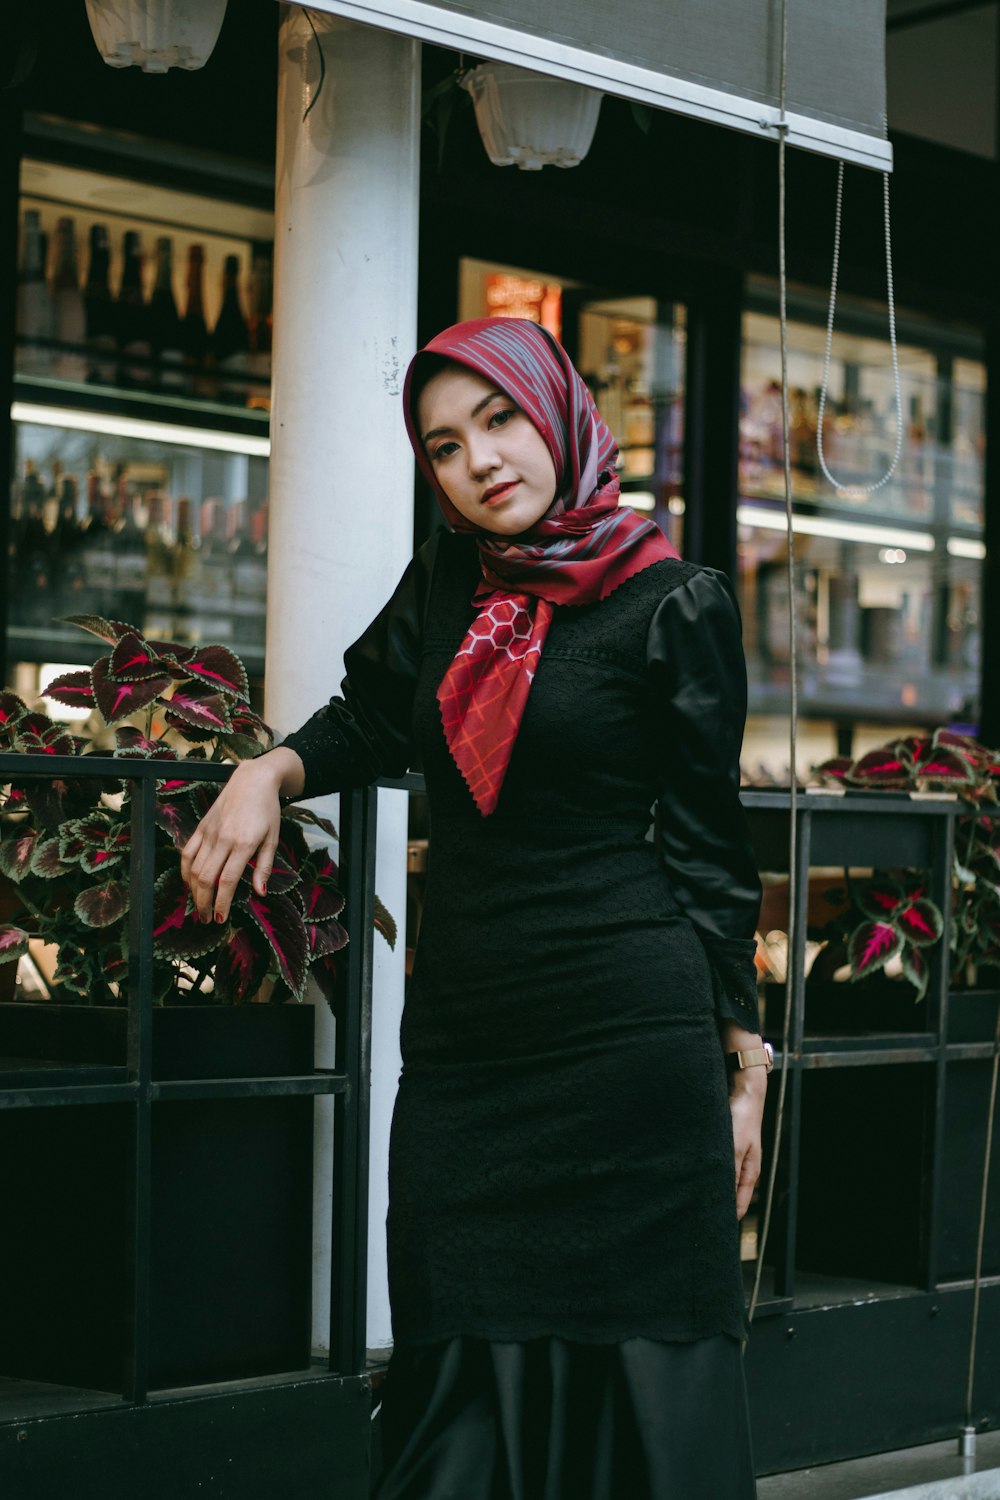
(563, 1225)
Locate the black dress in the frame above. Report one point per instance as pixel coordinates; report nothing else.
(562, 1215)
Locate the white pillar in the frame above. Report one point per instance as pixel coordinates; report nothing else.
(341, 503)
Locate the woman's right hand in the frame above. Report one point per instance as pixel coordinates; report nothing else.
(242, 824)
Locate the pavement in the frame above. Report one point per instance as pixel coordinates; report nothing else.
(933, 1471)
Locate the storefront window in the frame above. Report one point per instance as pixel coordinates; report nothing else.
(630, 351)
(888, 583)
(139, 483)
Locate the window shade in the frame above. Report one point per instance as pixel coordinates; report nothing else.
(717, 60)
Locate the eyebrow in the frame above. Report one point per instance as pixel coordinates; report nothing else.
(440, 431)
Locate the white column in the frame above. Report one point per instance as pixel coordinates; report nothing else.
(341, 503)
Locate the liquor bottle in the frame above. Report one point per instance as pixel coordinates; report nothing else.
(231, 338)
(133, 317)
(164, 322)
(34, 312)
(99, 310)
(68, 315)
(194, 332)
(259, 361)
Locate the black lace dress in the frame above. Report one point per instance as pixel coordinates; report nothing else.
(563, 1245)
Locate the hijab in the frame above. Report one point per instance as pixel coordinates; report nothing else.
(583, 548)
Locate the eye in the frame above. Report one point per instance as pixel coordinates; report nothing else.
(445, 451)
(501, 416)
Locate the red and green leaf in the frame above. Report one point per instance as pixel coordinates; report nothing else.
(241, 965)
(133, 660)
(916, 969)
(870, 946)
(16, 852)
(883, 767)
(178, 932)
(178, 820)
(119, 700)
(324, 938)
(920, 923)
(102, 905)
(208, 713)
(385, 923)
(945, 767)
(46, 861)
(72, 688)
(834, 770)
(880, 898)
(13, 942)
(221, 669)
(280, 920)
(106, 630)
(12, 708)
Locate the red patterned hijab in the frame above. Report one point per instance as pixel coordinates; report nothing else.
(582, 548)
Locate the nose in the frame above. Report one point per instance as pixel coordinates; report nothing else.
(483, 456)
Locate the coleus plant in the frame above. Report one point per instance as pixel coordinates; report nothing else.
(67, 842)
(942, 761)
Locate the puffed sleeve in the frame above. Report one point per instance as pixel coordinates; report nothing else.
(365, 731)
(697, 678)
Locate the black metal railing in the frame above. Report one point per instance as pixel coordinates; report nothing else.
(134, 1083)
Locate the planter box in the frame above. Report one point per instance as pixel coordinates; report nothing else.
(872, 1005)
(231, 1203)
(972, 1015)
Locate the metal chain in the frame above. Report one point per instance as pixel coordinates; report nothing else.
(862, 489)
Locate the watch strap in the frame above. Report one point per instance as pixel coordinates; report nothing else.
(751, 1057)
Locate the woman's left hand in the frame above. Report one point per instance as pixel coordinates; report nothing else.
(747, 1090)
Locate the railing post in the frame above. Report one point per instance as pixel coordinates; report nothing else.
(142, 876)
(349, 1267)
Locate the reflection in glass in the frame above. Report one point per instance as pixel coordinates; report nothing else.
(888, 584)
(167, 537)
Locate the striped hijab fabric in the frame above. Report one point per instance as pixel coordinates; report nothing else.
(583, 548)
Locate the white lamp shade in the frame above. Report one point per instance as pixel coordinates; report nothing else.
(530, 121)
(155, 35)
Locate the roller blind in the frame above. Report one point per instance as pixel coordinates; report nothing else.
(718, 60)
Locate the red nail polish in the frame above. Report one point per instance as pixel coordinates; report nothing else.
(263, 889)
(219, 917)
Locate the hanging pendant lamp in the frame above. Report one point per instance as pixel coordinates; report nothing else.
(156, 35)
(530, 121)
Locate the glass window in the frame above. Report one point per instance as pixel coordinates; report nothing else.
(888, 584)
(167, 532)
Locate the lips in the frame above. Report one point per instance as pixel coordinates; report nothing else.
(499, 492)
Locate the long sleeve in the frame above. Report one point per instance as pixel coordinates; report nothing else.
(365, 731)
(697, 679)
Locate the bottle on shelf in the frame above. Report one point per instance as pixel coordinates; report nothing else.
(133, 317)
(99, 310)
(165, 323)
(194, 331)
(260, 329)
(34, 309)
(69, 317)
(231, 339)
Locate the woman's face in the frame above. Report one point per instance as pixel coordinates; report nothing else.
(487, 455)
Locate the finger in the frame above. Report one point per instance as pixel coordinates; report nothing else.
(229, 879)
(188, 852)
(265, 862)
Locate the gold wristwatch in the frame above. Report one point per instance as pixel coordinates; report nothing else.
(754, 1057)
